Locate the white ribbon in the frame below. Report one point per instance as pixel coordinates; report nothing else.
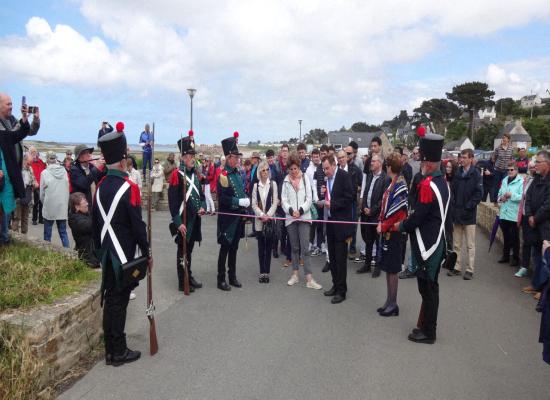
(191, 186)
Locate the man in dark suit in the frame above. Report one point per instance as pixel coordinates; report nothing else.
(377, 182)
(338, 198)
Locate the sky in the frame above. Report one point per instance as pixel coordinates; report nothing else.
(259, 66)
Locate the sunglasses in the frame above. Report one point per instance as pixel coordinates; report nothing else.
(264, 170)
(511, 169)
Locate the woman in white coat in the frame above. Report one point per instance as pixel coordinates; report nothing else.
(296, 198)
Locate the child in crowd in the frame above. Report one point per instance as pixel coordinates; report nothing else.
(21, 215)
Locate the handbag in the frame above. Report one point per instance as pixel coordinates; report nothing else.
(268, 228)
(134, 271)
(312, 208)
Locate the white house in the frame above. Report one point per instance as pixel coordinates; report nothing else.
(533, 100)
(489, 113)
(459, 145)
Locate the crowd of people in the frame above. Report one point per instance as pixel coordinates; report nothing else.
(298, 206)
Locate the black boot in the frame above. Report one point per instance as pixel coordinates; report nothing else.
(127, 357)
(376, 272)
(364, 269)
(194, 283)
(326, 268)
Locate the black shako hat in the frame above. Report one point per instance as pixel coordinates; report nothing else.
(113, 146)
(431, 146)
(229, 145)
(187, 145)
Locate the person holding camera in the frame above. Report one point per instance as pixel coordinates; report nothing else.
(12, 132)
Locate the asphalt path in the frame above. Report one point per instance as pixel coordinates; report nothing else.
(278, 342)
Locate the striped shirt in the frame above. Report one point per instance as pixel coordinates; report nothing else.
(503, 157)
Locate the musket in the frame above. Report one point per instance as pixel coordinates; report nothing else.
(150, 310)
(184, 236)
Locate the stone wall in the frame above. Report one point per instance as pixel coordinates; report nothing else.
(64, 333)
(486, 214)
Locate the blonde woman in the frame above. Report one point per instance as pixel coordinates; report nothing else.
(296, 201)
(264, 204)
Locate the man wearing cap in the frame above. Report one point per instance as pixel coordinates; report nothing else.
(194, 208)
(232, 199)
(118, 231)
(83, 172)
(425, 226)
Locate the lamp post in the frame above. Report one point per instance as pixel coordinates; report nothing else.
(300, 122)
(191, 94)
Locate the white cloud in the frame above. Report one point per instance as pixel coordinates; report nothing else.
(517, 79)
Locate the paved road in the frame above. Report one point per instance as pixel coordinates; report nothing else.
(279, 342)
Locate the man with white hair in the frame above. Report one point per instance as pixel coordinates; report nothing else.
(12, 132)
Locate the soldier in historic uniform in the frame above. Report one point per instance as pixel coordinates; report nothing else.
(119, 233)
(426, 228)
(232, 199)
(194, 208)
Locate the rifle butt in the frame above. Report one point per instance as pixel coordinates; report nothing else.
(153, 343)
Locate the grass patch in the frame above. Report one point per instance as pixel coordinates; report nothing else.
(30, 276)
(19, 368)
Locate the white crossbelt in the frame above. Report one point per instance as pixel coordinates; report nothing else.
(191, 186)
(427, 253)
(107, 220)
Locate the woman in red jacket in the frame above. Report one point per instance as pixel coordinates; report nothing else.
(37, 166)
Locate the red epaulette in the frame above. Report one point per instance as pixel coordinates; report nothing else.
(425, 191)
(174, 179)
(135, 195)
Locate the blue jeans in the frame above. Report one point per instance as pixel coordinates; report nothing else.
(61, 228)
(146, 162)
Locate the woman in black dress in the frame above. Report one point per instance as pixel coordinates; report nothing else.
(394, 210)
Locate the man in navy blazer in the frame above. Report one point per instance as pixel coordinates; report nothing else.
(338, 204)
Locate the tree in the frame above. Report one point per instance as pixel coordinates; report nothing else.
(364, 127)
(505, 106)
(316, 135)
(456, 130)
(485, 136)
(437, 111)
(472, 96)
(538, 129)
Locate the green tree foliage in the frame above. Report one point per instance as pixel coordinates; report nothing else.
(484, 137)
(472, 96)
(316, 136)
(506, 106)
(539, 130)
(437, 111)
(364, 127)
(456, 130)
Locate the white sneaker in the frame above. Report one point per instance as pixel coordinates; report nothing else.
(522, 272)
(313, 285)
(132, 295)
(293, 280)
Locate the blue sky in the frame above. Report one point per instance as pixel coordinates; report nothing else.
(259, 68)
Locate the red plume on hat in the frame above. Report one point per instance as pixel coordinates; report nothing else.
(119, 126)
(191, 133)
(236, 135)
(421, 131)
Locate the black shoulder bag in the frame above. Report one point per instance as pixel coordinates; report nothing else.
(268, 229)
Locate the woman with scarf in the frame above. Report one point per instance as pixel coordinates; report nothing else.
(394, 210)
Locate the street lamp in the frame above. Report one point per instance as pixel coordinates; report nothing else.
(300, 122)
(191, 94)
